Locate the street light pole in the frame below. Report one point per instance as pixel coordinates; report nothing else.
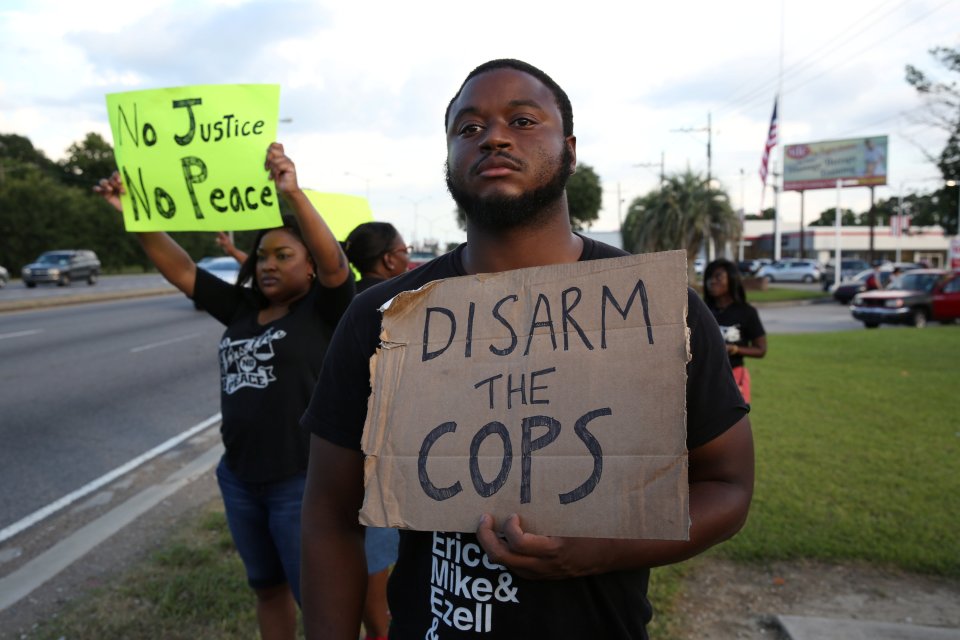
(954, 183)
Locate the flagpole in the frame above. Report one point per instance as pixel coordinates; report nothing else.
(779, 108)
(899, 219)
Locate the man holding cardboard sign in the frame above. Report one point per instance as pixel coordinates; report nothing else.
(527, 421)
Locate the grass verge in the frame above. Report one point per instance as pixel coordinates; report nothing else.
(857, 438)
(779, 294)
(194, 587)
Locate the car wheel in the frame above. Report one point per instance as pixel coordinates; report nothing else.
(30, 285)
(92, 278)
(808, 279)
(871, 325)
(64, 280)
(769, 279)
(919, 318)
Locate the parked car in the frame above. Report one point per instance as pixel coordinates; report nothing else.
(698, 266)
(791, 271)
(62, 267)
(418, 258)
(849, 268)
(224, 267)
(923, 295)
(749, 267)
(844, 292)
(4, 277)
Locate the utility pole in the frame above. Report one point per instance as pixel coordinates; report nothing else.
(871, 218)
(709, 130)
(776, 213)
(651, 165)
(743, 212)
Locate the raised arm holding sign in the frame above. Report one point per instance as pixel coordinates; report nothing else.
(271, 350)
(510, 150)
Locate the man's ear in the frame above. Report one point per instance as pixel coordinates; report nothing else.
(571, 142)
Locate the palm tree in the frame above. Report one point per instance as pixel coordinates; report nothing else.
(681, 214)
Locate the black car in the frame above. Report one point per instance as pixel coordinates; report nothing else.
(62, 267)
(849, 268)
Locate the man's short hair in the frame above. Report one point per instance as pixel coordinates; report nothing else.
(563, 102)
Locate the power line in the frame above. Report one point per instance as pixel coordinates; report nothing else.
(806, 61)
(760, 95)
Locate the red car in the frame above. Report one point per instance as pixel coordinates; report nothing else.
(923, 295)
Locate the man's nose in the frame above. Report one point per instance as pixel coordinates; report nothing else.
(497, 136)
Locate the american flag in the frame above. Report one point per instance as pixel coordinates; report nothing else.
(771, 143)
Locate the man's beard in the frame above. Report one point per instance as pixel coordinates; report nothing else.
(500, 212)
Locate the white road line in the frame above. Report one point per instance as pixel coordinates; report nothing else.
(164, 343)
(20, 334)
(48, 564)
(53, 507)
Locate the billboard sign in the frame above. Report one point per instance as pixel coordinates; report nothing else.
(860, 162)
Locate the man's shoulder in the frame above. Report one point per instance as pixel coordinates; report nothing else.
(371, 299)
(596, 250)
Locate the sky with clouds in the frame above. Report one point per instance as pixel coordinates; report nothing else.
(364, 84)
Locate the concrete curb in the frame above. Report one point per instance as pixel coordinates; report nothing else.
(803, 628)
(82, 298)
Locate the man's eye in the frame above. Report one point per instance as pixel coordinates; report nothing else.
(523, 122)
(468, 129)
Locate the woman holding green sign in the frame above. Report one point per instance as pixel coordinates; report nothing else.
(277, 333)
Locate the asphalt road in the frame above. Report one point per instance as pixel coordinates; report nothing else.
(807, 318)
(85, 388)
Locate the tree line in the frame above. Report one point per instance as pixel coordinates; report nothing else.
(47, 204)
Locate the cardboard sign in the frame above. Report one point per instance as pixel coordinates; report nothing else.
(191, 158)
(554, 392)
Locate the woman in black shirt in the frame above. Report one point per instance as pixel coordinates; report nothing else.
(739, 322)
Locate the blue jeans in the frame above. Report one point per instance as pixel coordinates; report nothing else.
(381, 547)
(264, 521)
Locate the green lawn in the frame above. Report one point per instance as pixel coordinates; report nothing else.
(858, 450)
(857, 440)
(780, 294)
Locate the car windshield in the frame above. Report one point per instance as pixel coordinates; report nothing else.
(220, 264)
(53, 258)
(919, 281)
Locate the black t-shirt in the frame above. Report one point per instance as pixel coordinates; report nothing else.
(443, 585)
(267, 373)
(740, 324)
(368, 281)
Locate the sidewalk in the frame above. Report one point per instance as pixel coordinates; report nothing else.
(810, 628)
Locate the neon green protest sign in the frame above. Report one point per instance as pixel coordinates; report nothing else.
(192, 158)
(341, 212)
